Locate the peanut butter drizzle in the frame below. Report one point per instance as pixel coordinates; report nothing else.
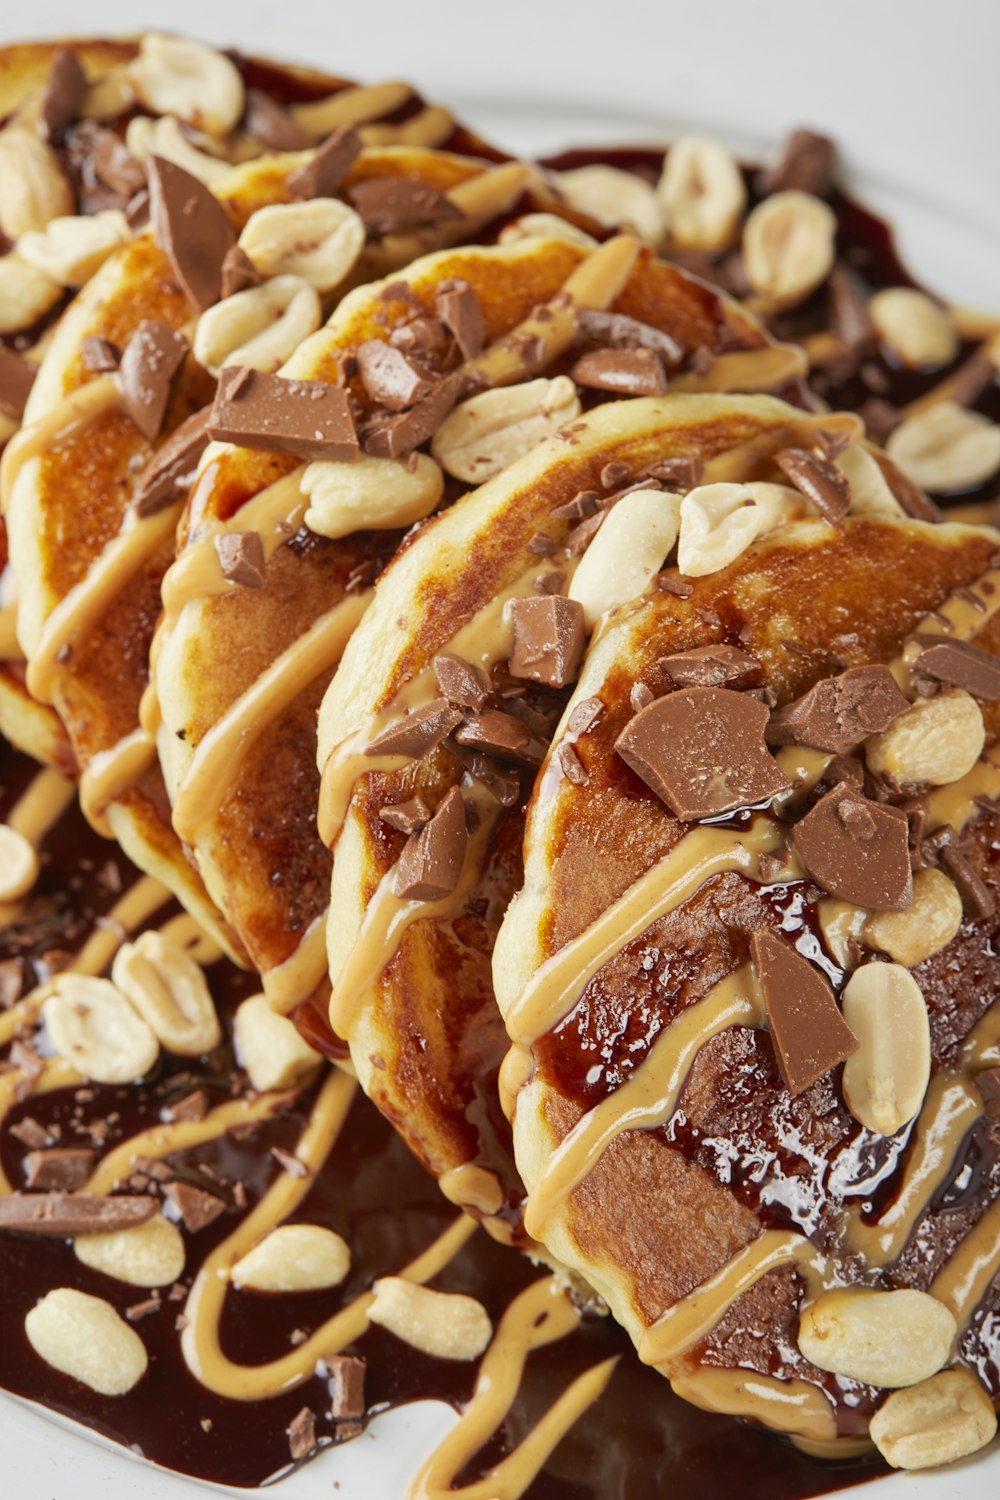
(649, 1097)
(540, 1315)
(387, 917)
(41, 806)
(792, 1406)
(113, 772)
(351, 106)
(692, 1319)
(217, 761)
(963, 1283)
(430, 126)
(84, 405)
(287, 983)
(748, 370)
(10, 646)
(470, 1186)
(200, 1342)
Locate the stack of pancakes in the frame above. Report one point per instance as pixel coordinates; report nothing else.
(654, 705)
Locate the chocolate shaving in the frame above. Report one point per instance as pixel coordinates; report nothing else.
(100, 355)
(808, 164)
(707, 666)
(390, 379)
(809, 1033)
(499, 734)
(239, 273)
(192, 228)
(17, 377)
(406, 817)
(623, 372)
(960, 664)
(839, 712)
(168, 476)
(394, 437)
(152, 357)
(618, 331)
(701, 750)
(548, 639)
(978, 899)
(63, 1169)
(322, 175)
(302, 1434)
(306, 418)
(680, 474)
(140, 1310)
(65, 92)
(67, 1214)
(430, 865)
(857, 850)
(387, 204)
(819, 480)
(417, 733)
(275, 128)
(241, 558)
(197, 1208)
(346, 1375)
(462, 683)
(457, 306)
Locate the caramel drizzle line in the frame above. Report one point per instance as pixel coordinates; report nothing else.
(792, 1406)
(200, 1342)
(388, 916)
(220, 755)
(34, 814)
(963, 1283)
(747, 370)
(540, 1315)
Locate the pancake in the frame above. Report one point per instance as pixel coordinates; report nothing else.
(87, 558)
(240, 672)
(412, 992)
(688, 1138)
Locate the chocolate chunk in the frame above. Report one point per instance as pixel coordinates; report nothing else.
(419, 732)
(618, 331)
(387, 204)
(190, 226)
(987, 1081)
(17, 377)
(11, 981)
(819, 480)
(63, 1168)
(707, 666)
(585, 716)
(462, 683)
(857, 850)
(276, 129)
(422, 336)
(807, 163)
(238, 273)
(112, 164)
(322, 176)
(701, 750)
(498, 734)
(572, 766)
(31, 1134)
(100, 355)
(66, 1214)
(839, 711)
(193, 1106)
(502, 782)
(960, 664)
(306, 418)
(978, 899)
(582, 506)
(915, 504)
(65, 91)
(168, 476)
(406, 817)
(346, 1375)
(457, 306)
(430, 865)
(809, 1033)
(680, 474)
(241, 558)
(152, 357)
(640, 696)
(849, 310)
(548, 639)
(302, 1434)
(196, 1207)
(624, 372)
(389, 378)
(396, 436)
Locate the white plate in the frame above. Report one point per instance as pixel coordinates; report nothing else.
(917, 126)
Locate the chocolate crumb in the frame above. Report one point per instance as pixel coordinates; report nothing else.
(302, 1434)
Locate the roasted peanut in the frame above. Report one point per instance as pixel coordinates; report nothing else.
(26, 294)
(937, 740)
(83, 1337)
(890, 1339)
(788, 246)
(936, 1422)
(870, 491)
(545, 226)
(92, 1025)
(612, 197)
(177, 76)
(489, 431)
(701, 194)
(370, 494)
(319, 240)
(151, 1254)
(438, 1323)
(718, 522)
(294, 1258)
(918, 331)
(169, 991)
(885, 1080)
(71, 250)
(270, 1048)
(946, 447)
(33, 189)
(928, 924)
(260, 327)
(635, 540)
(145, 137)
(18, 864)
